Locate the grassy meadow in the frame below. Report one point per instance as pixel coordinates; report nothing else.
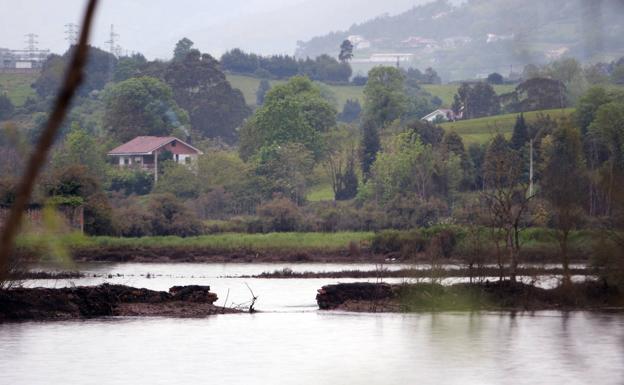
(483, 129)
(249, 85)
(17, 87)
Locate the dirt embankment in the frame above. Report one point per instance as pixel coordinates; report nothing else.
(106, 300)
(208, 255)
(505, 295)
(419, 273)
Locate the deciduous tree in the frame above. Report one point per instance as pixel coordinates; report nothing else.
(199, 86)
(141, 106)
(564, 185)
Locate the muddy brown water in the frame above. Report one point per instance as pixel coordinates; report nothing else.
(292, 342)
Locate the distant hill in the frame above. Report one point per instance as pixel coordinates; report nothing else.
(483, 36)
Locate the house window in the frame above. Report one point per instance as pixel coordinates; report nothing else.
(177, 158)
(173, 144)
(126, 161)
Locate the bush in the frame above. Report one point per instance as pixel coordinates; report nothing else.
(608, 262)
(280, 215)
(98, 215)
(407, 243)
(133, 221)
(405, 212)
(169, 216)
(131, 181)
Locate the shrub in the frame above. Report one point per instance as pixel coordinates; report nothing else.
(98, 215)
(280, 215)
(608, 262)
(407, 243)
(131, 181)
(170, 217)
(133, 221)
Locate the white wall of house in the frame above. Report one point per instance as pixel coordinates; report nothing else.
(185, 158)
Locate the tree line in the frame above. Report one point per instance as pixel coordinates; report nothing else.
(323, 68)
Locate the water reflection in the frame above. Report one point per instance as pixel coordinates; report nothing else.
(319, 348)
(295, 343)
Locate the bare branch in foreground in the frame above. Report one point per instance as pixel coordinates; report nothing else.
(72, 81)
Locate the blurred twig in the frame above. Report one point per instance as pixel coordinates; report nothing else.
(72, 81)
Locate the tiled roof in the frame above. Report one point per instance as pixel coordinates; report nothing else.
(144, 145)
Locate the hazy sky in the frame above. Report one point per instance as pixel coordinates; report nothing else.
(153, 26)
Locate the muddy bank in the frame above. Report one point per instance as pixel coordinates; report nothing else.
(106, 300)
(209, 255)
(417, 273)
(201, 255)
(505, 295)
(23, 275)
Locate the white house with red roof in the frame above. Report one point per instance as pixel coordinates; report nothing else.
(142, 152)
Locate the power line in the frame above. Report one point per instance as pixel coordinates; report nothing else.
(31, 44)
(114, 47)
(71, 33)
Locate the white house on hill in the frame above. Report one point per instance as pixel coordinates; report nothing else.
(142, 152)
(443, 114)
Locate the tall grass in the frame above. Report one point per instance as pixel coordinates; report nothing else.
(218, 242)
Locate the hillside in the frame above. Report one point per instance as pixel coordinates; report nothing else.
(483, 129)
(248, 85)
(505, 33)
(17, 86)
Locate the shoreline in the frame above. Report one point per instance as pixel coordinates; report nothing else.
(489, 296)
(461, 272)
(208, 255)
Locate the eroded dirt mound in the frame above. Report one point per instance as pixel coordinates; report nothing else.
(332, 296)
(106, 300)
(503, 295)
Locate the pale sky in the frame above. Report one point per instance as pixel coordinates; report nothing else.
(153, 26)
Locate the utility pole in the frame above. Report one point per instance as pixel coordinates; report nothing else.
(112, 40)
(71, 33)
(31, 45)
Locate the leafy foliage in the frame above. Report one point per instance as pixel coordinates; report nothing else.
(141, 106)
(293, 112)
(322, 68)
(199, 86)
(98, 71)
(384, 95)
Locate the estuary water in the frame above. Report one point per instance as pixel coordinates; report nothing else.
(291, 342)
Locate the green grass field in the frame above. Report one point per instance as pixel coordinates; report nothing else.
(483, 129)
(321, 192)
(17, 87)
(248, 85)
(229, 242)
(447, 91)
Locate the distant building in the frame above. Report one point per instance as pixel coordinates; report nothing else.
(359, 42)
(22, 60)
(420, 43)
(493, 38)
(383, 58)
(142, 152)
(443, 114)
